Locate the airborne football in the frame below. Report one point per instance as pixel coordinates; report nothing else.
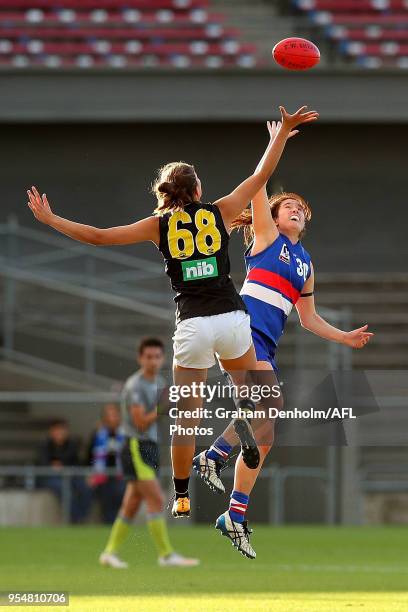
(296, 54)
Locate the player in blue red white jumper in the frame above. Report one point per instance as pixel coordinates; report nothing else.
(280, 275)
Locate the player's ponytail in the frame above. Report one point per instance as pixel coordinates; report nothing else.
(245, 221)
(175, 187)
(245, 218)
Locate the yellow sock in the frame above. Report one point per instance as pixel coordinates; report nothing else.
(118, 534)
(158, 530)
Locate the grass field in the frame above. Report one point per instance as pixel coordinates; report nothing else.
(297, 569)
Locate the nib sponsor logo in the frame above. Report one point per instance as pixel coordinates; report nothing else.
(199, 269)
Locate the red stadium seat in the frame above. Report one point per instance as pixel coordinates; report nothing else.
(121, 61)
(104, 4)
(374, 33)
(112, 34)
(145, 28)
(131, 47)
(343, 6)
(118, 33)
(388, 48)
(397, 19)
(129, 17)
(374, 62)
(368, 33)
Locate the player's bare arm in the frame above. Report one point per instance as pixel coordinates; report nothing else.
(234, 203)
(265, 229)
(144, 230)
(313, 322)
(141, 418)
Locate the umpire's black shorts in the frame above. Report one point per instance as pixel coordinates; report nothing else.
(140, 459)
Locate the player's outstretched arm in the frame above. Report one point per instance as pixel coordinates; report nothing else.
(312, 321)
(265, 230)
(233, 204)
(141, 231)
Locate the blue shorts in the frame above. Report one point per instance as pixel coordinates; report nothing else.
(265, 349)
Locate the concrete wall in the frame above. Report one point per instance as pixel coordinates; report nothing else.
(352, 94)
(353, 176)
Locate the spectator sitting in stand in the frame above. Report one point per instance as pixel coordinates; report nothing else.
(59, 450)
(104, 452)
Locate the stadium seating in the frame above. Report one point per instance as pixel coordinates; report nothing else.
(118, 33)
(373, 33)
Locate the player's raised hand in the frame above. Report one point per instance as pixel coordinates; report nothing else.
(275, 126)
(358, 338)
(39, 205)
(301, 116)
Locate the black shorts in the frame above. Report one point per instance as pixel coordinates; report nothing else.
(140, 459)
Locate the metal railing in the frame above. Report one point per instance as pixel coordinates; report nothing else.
(86, 299)
(87, 283)
(381, 478)
(276, 477)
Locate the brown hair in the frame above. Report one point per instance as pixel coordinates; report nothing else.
(245, 218)
(175, 186)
